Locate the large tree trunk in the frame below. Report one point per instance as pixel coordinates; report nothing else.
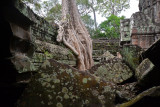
(73, 33)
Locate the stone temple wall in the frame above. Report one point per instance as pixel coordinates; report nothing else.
(144, 25)
(34, 39)
(151, 8)
(102, 45)
(143, 31)
(125, 31)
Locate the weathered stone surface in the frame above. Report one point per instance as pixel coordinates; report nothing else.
(22, 63)
(107, 55)
(114, 70)
(144, 26)
(149, 79)
(125, 31)
(58, 52)
(39, 27)
(46, 51)
(143, 30)
(151, 9)
(34, 39)
(148, 98)
(125, 92)
(21, 48)
(26, 28)
(59, 85)
(130, 54)
(101, 45)
(106, 44)
(147, 74)
(144, 68)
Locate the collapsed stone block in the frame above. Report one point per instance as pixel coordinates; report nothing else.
(59, 85)
(144, 68)
(114, 70)
(147, 75)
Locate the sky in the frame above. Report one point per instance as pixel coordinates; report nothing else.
(127, 13)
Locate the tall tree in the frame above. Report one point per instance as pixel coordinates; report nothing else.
(88, 6)
(112, 7)
(73, 33)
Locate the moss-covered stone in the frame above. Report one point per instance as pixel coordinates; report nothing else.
(45, 51)
(131, 55)
(114, 70)
(59, 85)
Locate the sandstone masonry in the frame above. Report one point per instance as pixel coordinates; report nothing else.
(143, 27)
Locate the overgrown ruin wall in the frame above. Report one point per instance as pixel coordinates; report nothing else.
(102, 45)
(110, 83)
(144, 26)
(151, 8)
(34, 39)
(27, 41)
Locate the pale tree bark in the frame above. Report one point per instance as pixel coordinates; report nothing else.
(94, 14)
(73, 33)
(95, 20)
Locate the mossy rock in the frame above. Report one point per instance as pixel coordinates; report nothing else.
(114, 70)
(59, 85)
(54, 51)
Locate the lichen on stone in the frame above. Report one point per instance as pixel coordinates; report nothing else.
(64, 90)
(85, 80)
(59, 105)
(45, 64)
(84, 88)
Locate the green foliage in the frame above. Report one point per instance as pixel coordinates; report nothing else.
(97, 34)
(110, 28)
(53, 12)
(108, 7)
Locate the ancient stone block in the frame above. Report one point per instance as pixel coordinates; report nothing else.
(59, 85)
(144, 68)
(135, 40)
(112, 70)
(45, 51)
(125, 30)
(147, 74)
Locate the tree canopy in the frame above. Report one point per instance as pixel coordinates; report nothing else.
(52, 10)
(112, 7)
(110, 28)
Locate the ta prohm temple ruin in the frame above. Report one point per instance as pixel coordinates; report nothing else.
(37, 71)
